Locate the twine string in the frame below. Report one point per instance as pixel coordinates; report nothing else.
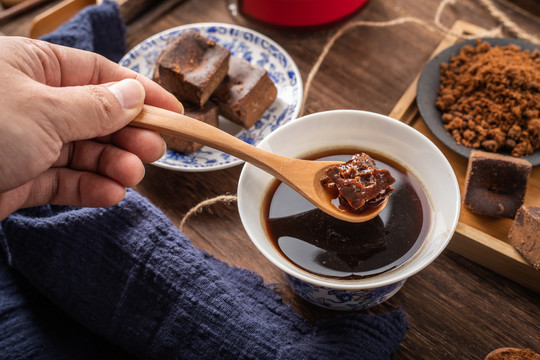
(507, 23)
(315, 69)
(495, 32)
(205, 203)
(436, 27)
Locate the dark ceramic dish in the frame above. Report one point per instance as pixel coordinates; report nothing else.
(428, 87)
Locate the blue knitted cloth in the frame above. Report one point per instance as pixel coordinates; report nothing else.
(123, 282)
(96, 28)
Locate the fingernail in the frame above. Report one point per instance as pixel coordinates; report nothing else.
(164, 149)
(129, 92)
(181, 106)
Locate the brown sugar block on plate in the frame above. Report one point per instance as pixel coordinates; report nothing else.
(246, 92)
(524, 234)
(207, 114)
(192, 67)
(495, 184)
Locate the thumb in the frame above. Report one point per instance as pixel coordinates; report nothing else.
(96, 110)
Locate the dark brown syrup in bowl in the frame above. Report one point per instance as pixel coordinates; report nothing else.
(325, 246)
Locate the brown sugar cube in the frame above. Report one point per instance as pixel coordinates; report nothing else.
(524, 234)
(495, 184)
(246, 92)
(207, 114)
(192, 67)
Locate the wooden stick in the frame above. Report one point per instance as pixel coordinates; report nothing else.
(9, 3)
(20, 8)
(52, 18)
(49, 20)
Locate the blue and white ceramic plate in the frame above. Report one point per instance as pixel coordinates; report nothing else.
(253, 47)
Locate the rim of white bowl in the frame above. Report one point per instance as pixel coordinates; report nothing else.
(405, 270)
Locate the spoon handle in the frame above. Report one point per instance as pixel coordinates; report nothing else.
(169, 122)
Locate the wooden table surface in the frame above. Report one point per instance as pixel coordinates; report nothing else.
(456, 308)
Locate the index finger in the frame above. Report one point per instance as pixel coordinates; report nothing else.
(79, 67)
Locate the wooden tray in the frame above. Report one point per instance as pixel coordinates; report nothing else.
(51, 19)
(481, 239)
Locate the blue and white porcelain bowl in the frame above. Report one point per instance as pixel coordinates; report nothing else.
(370, 132)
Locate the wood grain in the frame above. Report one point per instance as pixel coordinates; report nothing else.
(9, 3)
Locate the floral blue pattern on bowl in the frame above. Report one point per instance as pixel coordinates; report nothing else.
(253, 47)
(343, 300)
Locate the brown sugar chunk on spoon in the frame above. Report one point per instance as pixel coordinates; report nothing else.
(358, 184)
(304, 176)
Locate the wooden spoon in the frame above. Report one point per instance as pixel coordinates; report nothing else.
(301, 175)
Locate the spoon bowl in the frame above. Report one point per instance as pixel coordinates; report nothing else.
(301, 175)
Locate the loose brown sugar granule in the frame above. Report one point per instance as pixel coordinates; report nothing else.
(490, 98)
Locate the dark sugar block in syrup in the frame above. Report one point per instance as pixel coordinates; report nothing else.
(328, 247)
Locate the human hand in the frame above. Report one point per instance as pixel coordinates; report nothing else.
(63, 133)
